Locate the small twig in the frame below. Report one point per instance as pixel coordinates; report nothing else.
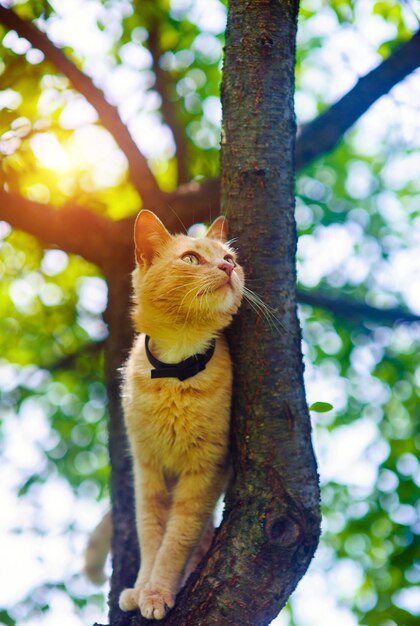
(163, 88)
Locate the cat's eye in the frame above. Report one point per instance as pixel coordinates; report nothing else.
(190, 258)
(229, 258)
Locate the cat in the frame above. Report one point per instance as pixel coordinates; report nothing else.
(176, 397)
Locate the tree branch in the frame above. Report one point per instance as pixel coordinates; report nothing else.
(321, 135)
(351, 308)
(139, 171)
(168, 106)
(195, 202)
(71, 228)
(271, 526)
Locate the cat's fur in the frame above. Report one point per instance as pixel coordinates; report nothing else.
(178, 431)
(97, 550)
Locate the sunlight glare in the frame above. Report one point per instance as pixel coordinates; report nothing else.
(50, 153)
(90, 149)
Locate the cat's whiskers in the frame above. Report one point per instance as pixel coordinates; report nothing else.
(183, 274)
(205, 295)
(231, 241)
(253, 306)
(202, 289)
(258, 305)
(176, 288)
(195, 288)
(202, 292)
(261, 308)
(177, 217)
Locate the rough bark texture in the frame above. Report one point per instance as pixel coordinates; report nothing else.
(276, 471)
(125, 553)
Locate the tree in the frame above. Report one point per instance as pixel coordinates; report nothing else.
(260, 48)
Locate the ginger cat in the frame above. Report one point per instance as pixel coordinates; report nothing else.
(176, 400)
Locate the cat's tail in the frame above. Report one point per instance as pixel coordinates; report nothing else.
(97, 549)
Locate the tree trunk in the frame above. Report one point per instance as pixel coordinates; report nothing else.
(271, 523)
(276, 470)
(125, 551)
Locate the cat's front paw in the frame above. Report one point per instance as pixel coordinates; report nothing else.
(129, 599)
(155, 603)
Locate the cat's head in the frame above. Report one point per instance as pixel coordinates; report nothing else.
(180, 280)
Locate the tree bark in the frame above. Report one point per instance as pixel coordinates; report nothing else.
(276, 471)
(125, 552)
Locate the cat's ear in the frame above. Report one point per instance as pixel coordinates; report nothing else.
(149, 235)
(219, 229)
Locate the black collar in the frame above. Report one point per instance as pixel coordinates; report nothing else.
(183, 370)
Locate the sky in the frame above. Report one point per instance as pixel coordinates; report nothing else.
(334, 69)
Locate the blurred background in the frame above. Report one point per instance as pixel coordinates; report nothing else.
(358, 216)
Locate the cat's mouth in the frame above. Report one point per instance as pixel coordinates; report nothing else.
(227, 283)
(215, 288)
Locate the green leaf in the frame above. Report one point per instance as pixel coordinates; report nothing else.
(321, 407)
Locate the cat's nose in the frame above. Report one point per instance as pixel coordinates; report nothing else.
(226, 267)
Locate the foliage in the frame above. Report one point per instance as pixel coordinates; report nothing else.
(358, 219)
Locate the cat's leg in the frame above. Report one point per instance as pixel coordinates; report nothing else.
(200, 550)
(152, 505)
(194, 498)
